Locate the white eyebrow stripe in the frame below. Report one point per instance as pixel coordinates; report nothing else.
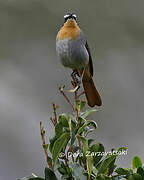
(74, 15)
(67, 15)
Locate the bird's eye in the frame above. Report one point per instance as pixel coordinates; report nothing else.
(65, 19)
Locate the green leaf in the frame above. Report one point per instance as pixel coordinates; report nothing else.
(121, 171)
(89, 159)
(107, 164)
(111, 168)
(136, 162)
(65, 176)
(87, 123)
(65, 124)
(89, 164)
(62, 170)
(59, 144)
(52, 141)
(77, 172)
(87, 113)
(140, 171)
(85, 145)
(80, 105)
(97, 150)
(61, 167)
(134, 176)
(62, 123)
(81, 120)
(103, 177)
(73, 137)
(70, 125)
(94, 170)
(122, 149)
(73, 122)
(58, 129)
(119, 178)
(63, 118)
(104, 165)
(45, 146)
(90, 141)
(49, 174)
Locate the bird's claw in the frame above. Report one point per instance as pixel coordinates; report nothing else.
(73, 90)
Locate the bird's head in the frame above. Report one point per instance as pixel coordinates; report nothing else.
(70, 19)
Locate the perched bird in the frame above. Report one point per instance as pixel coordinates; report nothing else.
(73, 52)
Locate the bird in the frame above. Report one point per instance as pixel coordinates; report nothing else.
(73, 51)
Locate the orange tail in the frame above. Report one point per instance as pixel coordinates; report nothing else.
(91, 92)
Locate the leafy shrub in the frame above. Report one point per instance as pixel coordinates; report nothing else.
(74, 156)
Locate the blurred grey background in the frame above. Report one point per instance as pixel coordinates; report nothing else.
(30, 75)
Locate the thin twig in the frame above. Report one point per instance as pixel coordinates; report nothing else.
(66, 161)
(52, 120)
(71, 150)
(75, 110)
(81, 94)
(67, 99)
(74, 84)
(42, 132)
(79, 143)
(55, 115)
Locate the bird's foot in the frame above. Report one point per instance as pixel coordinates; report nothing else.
(73, 90)
(75, 81)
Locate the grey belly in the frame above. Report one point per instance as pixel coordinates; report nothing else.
(72, 53)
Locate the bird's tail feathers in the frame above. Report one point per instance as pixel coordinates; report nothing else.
(92, 94)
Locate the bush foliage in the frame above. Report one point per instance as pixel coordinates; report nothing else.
(72, 155)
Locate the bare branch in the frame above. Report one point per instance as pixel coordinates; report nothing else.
(67, 99)
(42, 132)
(81, 94)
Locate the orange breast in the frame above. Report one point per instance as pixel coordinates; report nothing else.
(69, 30)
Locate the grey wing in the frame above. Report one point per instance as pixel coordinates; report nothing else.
(88, 50)
(83, 38)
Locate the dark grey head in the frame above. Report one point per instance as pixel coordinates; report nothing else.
(70, 16)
